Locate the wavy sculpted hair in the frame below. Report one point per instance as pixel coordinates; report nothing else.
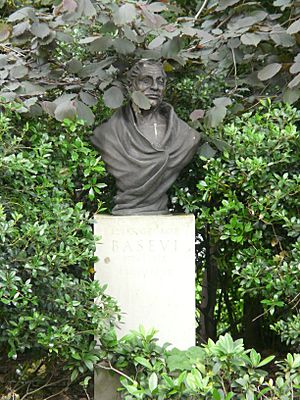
(139, 65)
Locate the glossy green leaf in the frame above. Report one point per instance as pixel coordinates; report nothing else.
(143, 361)
(153, 381)
(265, 361)
(109, 27)
(89, 364)
(169, 381)
(74, 375)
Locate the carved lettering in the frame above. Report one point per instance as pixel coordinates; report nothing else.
(140, 244)
(152, 246)
(115, 246)
(175, 245)
(164, 244)
(127, 247)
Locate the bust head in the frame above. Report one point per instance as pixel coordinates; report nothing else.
(149, 77)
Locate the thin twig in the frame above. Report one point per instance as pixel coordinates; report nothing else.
(56, 394)
(7, 48)
(184, 19)
(111, 368)
(223, 22)
(86, 393)
(262, 314)
(295, 299)
(194, 47)
(200, 10)
(47, 384)
(277, 238)
(235, 67)
(36, 390)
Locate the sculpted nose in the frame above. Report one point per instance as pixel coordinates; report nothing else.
(155, 85)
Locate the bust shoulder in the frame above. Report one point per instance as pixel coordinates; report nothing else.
(106, 125)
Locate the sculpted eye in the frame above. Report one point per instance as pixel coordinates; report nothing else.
(147, 80)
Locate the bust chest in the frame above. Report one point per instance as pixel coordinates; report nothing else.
(153, 130)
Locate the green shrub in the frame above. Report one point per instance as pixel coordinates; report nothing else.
(48, 175)
(248, 200)
(216, 371)
(51, 178)
(189, 89)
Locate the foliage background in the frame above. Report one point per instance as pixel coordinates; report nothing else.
(48, 316)
(222, 58)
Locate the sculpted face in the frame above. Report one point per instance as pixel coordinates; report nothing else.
(151, 82)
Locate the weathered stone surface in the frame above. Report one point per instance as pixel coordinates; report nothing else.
(148, 263)
(145, 149)
(106, 385)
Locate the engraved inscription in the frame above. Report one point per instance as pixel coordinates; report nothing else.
(152, 246)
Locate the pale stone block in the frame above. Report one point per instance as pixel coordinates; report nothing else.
(148, 263)
(106, 385)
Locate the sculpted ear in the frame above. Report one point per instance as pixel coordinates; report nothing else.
(130, 85)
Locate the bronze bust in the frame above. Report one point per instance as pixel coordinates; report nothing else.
(145, 150)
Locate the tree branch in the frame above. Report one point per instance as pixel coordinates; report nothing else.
(111, 368)
(200, 10)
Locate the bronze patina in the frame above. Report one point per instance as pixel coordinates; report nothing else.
(145, 150)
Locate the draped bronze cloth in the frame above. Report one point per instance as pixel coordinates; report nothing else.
(144, 171)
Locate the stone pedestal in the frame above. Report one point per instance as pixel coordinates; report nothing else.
(148, 263)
